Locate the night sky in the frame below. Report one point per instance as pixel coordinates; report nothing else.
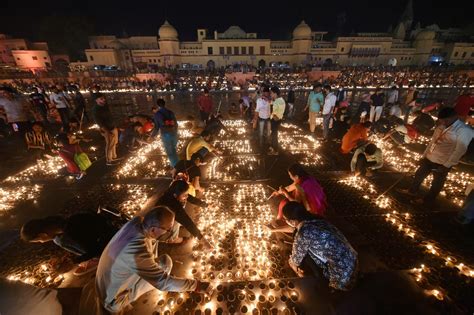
(267, 18)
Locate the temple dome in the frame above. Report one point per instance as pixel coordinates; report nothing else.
(167, 31)
(426, 35)
(234, 32)
(302, 31)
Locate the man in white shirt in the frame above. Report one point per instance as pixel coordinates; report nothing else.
(449, 143)
(392, 95)
(262, 117)
(130, 266)
(392, 102)
(328, 109)
(59, 99)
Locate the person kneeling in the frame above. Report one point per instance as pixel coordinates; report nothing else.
(130, 266)
(366, 159)
(68, 233)
(175, 199)
(324, 246)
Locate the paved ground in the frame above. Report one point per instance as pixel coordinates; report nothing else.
(387, 246)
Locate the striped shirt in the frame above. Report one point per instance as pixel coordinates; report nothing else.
(38, 140)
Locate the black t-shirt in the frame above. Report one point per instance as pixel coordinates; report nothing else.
(188, 167)
(38, 99)
(424, 123)
(88, 233)
(377, 100)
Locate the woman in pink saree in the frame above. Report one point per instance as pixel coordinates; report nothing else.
(305, 189)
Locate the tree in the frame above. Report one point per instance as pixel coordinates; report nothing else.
(66, 34)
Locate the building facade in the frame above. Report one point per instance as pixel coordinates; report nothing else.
(236, 47)
(403, 46)
(19, 52)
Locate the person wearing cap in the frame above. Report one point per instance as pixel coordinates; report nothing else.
(205, 105)
(449, 143)
(278, 109)
(130, 265)
(465, 104)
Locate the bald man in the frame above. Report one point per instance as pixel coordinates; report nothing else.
(130, 266)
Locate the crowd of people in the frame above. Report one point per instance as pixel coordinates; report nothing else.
(127, 261)
(361, 77)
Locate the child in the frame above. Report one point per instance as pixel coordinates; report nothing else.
(68, 152)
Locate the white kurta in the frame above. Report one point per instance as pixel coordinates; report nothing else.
(128, 263)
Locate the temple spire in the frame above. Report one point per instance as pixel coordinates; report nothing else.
(407, 15)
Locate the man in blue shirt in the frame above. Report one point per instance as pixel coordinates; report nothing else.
(315, 100)
(166, 123)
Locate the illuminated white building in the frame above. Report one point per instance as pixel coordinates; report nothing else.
(402, 46)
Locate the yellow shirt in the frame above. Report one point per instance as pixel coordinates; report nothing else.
(279, 107)
(195, 145)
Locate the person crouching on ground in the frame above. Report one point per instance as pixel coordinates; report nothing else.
(354, 136)
(366, 159)
(320, 245)
(67, 152)
(68, 233)
(190, 171)
(305, 189)
(402, 133)
(175, 199)
(201, 145)
(130, 266)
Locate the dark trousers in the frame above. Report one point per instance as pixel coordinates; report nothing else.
(275, 124)
(426, 167)
(326, 123)
(64, 113)
(43, 111)
(204, 115)
(78, 113)
(362, 164)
